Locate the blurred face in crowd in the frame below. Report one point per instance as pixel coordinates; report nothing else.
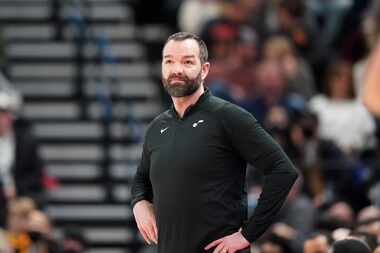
(277, 48)
(223, 38)
(271, 81)
(182, 70)
(38, 222)
(251, 4)
(39, 227)
(340, 81)
(269, 247)
(17, 220)
(246, 48)
(341, 211)
(317, 244)
(18, 214)
(6, 120)
(369, 217)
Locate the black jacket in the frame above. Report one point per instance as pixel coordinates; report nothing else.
(193, 170)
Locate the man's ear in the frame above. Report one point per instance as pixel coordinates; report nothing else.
(205, 70)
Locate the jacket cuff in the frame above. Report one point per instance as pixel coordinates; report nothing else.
(137, 199)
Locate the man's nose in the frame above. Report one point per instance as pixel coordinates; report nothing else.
(177, 69)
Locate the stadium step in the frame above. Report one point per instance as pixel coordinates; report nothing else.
(93, 171)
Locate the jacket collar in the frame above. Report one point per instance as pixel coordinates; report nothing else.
(193, 107)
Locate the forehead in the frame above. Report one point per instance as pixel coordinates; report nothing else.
(181, 48)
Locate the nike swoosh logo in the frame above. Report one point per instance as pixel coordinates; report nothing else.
(195, 124)
(163, 130)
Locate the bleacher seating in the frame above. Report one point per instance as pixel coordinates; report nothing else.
(68, 116)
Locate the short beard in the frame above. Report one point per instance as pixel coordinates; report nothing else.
(189, 87)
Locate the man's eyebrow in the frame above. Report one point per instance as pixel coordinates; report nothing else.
(186, 56)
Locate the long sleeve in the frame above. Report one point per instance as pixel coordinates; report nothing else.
(141, 186)
(259, 149)
(28, 167)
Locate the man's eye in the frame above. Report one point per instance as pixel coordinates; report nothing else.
(168, 61)
(188, 62)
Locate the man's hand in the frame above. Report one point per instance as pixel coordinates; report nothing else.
(146, 220)
(229, 244)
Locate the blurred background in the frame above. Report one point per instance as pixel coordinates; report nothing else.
(80, 81)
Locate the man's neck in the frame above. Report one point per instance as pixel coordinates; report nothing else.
(182, 103)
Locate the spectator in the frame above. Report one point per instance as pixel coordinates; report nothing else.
(271, 92)
(368, 213)
(297, 72)
(320, 161)
(40, 233)
(319, 242)
(368, 238)
(292, 21)
(299, 214)
(17, 223)
(73, 240)
(371, 31)
(350, 245)
(332, 14)
(234, 73)
(368, 221)
(273, 243)
(336, 109)
(206, 10)
(20, 164)
(341, 211)
(221, 36)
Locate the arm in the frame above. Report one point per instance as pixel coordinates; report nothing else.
(371, 89)
(141, 186)
(142, 197)
(29, 168)
(258, 148)
(30, 177)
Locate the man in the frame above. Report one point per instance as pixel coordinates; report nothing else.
(191, 178)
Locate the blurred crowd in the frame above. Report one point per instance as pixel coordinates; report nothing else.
(24, 225)
(298, 66)
(29, 230)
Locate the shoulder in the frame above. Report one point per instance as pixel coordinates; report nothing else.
(227, 110)
(230, 115)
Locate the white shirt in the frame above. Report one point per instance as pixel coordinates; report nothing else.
(345, 122)
(7, 157)
(358, 74)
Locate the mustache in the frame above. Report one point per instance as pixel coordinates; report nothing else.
(178, 77)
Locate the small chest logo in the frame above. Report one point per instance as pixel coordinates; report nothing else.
(163, 130)
(195, 124)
